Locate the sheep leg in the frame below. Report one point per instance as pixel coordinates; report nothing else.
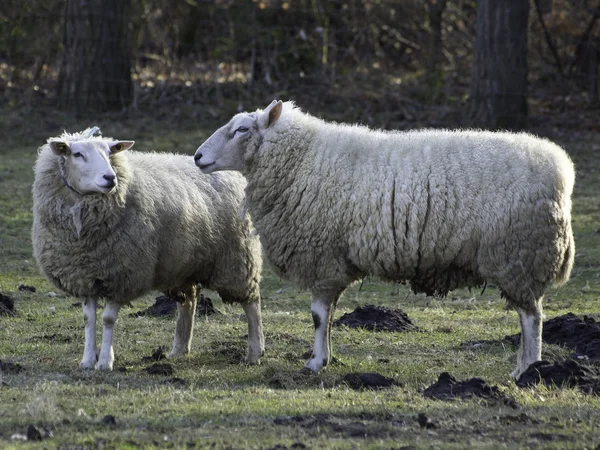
(256, 338)
(90, 352)
(109, 318)
(184, 329)
(322, 308)
(531, 339)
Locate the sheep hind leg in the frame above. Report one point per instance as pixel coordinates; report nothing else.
(109, 318)
(90, 352)
(322, 308)
(530, 350)
(184, 329)
(256, 338)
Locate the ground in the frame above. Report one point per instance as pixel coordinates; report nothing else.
(210, 399)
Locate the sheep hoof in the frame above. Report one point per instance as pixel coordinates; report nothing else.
(516, 374)
(87, 364)
(104, 366)
(308, 371)
(252, 360)
(178, 353)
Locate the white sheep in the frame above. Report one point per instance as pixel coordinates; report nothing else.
(441, 209)
(115, 225)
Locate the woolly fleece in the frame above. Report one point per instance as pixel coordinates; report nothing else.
(165, 227)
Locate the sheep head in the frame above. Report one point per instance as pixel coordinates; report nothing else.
(85, 164)
(234, 145)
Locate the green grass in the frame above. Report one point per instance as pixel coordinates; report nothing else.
(225, 404)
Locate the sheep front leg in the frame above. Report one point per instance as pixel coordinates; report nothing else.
(90, 352)
(256, 338)
(109, 318)
(184, 329)
(322, 308)
(530, 350)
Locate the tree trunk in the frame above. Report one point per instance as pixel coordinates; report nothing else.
(96, 74)
(436, 11)
(586, 66)
(499, 78)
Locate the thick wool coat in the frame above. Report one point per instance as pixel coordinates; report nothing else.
(166, 226)
(440, 209)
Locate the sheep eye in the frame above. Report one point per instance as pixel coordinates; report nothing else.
(241, 130)
(77, 155)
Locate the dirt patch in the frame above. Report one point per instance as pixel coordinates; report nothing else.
(205, 307)
(24, 287)
(581, 335)
(361, 426)
(163, 306)
(8, 367)
(158, 355)
(373, 381)
(7, 305)
(564, 374)
(568, 330)
(160, 369)
(295, 445)
(175, 381)
(234, 351)
(109, 419)
(521, 418)
(166, 306)
(377, 318)
(425, 422)
(448, 388)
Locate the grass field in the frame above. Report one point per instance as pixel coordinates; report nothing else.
(223, 404)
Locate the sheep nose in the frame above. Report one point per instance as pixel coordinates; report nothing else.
(197, 156)
(109, 177)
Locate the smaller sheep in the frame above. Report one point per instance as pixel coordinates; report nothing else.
(112, 224)
(441, 209)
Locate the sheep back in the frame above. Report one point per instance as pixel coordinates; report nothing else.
(437, 208)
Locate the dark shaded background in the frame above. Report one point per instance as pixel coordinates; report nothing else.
(387, 63)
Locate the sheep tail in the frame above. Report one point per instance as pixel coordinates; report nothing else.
(565, 270)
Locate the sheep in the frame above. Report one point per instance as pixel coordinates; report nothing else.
(439, 209)
(113, 225)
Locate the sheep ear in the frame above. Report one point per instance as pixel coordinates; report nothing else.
(119, 146)
(59, 148)
(270, 115)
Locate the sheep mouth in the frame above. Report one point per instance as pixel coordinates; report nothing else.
(203, 167)
(108, 187)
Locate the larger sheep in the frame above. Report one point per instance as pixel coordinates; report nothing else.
(441, 209)
(112, 224)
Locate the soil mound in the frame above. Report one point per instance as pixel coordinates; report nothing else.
(160, 369)
(377, 318)
(7, 305)
(448, 388)
(166, 306)
(359, 381)
(581, 335)
(158, 355)
(9, 367)
(562, 374)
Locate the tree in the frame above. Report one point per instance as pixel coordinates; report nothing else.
(498, 96)
(436, 10)
(95, 74)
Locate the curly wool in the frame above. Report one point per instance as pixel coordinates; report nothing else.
(441, 209)
(166, 226)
